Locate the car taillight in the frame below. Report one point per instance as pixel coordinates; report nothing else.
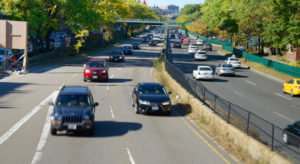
(233, 69)
(222, 69)
(104, 71)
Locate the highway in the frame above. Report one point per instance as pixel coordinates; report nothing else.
(253, 91)
(121, 136)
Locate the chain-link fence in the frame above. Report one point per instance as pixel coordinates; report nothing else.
(248, 122)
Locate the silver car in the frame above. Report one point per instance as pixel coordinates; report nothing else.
(225, 69)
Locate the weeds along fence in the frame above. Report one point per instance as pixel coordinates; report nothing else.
(248, 122)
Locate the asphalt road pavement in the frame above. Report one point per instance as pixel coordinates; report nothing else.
(121, 136)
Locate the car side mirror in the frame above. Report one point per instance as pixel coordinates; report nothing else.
(51, 103)
(96, 104)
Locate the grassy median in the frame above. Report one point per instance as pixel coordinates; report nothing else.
(244, 148)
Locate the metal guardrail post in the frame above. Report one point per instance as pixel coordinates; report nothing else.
(248, 120)
(215, 104)
(229, 108)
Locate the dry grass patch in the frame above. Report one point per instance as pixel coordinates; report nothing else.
(240, 145)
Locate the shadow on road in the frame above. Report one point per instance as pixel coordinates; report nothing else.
(108, 129)
(10, 87)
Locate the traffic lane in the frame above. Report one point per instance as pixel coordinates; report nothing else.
(158, 135)
(244, 79)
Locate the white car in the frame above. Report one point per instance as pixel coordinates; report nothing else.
(203, 72)
(235, 62)
(200, 55)
(192, 49)
(200, 42)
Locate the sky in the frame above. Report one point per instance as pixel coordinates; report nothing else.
(179, 3)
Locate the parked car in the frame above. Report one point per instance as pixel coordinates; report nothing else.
(116, 56)
(151, 97)
(292, 87)
(236, 63)
(200, 55)
(177, 44)
(291, 134)
(73, 110)
(203, 72)
(9, 54)
(152, 42)
(135, 45)
(95, 69)
(145, 39)
(172, 36)
(200, 42)
(192, 49)
(207, 47)
(225, 69)
(127, 50)
(59, 43)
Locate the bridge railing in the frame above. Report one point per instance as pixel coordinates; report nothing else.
(141, 21)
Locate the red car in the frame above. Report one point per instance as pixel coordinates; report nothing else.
(95, 70)
(186, 41)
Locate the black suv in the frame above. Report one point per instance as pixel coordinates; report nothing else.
(73, 110)
(151, 97)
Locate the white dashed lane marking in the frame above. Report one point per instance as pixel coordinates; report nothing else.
(112, 112)
(283, 96)
(130, 156)
(251, 82)
(282, 116)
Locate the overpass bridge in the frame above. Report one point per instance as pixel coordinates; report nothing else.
(150, 22)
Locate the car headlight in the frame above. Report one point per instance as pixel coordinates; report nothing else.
(87, 71)
(166, 103)
(86, 117)
(57, 116)
(144, 102)
(104, 71)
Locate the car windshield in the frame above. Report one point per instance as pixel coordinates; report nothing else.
(96, 64)
(193, 47)
(73, 100)
(205, 69)
(234, 59)
(226, 65)
(151, 90)
(127, 47)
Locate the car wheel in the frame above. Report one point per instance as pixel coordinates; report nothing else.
(91, 132)
(292, 94)
(137, 111)
(53, 131)
(285, 138)
(84, 79)
(168, 113)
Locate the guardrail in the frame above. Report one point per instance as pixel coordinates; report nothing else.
(248, 122)
(146, 21)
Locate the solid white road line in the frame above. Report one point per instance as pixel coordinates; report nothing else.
(281, 115)
(278, 94)
(251, 82)
(130, 156)
(107, 87)
(238, 93)
(21, 122)
(111, 76)
(38, 154)
(112, 112)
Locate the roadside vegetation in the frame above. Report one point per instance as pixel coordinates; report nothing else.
(253, 25)
(79, 17)
(244, 148)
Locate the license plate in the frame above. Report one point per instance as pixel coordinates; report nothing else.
(72, 126)
(95, 77)
(154, 107)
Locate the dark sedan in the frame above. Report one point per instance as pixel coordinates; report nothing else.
(135, 45)
(116, 56)
(151, 97)
(127, 50)
(145, 39)
(207, 47)
(291, 134)
(177, 44)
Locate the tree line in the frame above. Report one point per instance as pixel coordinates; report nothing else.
(274, 23)
(46, 16)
